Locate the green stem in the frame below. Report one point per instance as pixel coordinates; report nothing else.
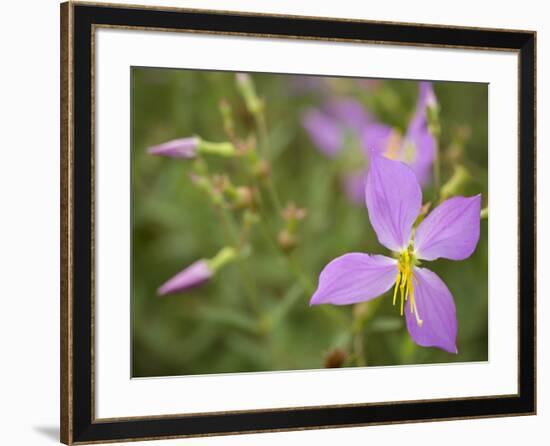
(224, 256)
(359, 350)
(434, 128)
(330, 311)
(274, 197)
(229, 225)
(224, 149)
(250, 289)
(436, 170)
(256, 107)
(261, 127)
(358, 339)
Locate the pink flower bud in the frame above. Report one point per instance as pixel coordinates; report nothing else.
(192, 276)
(185, 148)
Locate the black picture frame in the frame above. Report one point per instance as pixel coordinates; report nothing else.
(78, 424)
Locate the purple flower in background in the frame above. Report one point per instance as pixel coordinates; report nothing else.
(192, 276)
(177, 148)
(350, 114)
(324, 131)
(451, 231)
(327, 127)
(377, 138)
(417, 146)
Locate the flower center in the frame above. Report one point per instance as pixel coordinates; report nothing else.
(405, 281)
(393, 145)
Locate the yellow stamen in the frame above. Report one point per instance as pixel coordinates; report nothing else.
(397, 280)
(405, 281)
(407, 287)
(402, 290)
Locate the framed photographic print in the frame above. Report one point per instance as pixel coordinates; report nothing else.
(274, 223)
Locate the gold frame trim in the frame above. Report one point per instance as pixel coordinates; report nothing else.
(290, 16)
(300, 429)
(67, 206)
(66, 224)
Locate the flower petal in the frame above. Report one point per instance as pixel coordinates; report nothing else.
(450, 231)
(324, 131)
(393, 199)
(353, 278)
(426, 96)
(419, 145)
(418, 149)
(192, 276)
(436, 308)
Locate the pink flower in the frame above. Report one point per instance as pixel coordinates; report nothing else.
(451, 231)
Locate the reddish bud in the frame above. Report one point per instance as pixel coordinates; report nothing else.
(335, 358)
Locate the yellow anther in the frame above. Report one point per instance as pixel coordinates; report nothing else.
(397, 280)
(405, 281)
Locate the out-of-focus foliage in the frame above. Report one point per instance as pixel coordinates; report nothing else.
(213, 328)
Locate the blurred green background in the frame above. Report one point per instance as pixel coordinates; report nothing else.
(214, 328)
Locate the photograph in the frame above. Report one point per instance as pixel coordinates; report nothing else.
(273, 222)
(296, 222)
